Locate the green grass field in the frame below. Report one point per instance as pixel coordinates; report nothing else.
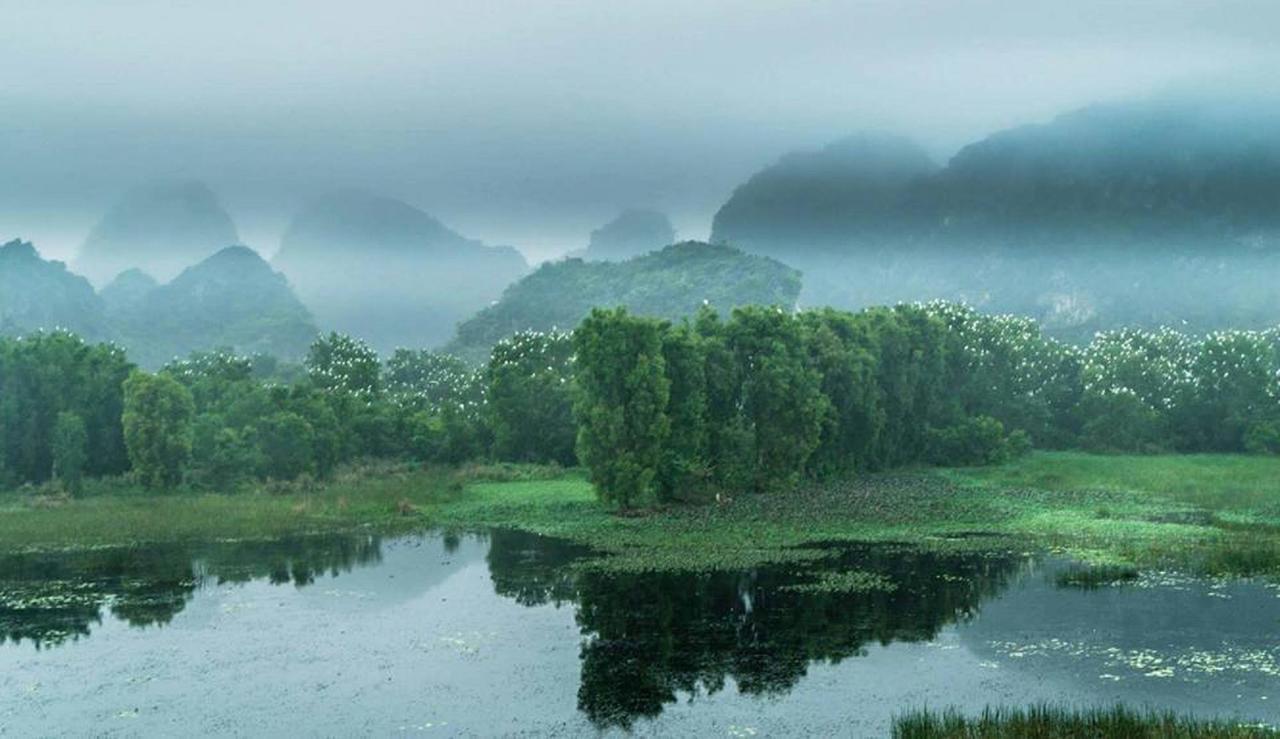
(1208, 514)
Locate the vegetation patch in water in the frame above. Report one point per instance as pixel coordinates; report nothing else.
(854, 581)
(1092, 578)
(1057, 721)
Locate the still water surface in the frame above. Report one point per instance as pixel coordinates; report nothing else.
(509, 634)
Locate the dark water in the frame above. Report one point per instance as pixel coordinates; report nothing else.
(508, 634)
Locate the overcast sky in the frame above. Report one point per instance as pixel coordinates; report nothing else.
(530, 123)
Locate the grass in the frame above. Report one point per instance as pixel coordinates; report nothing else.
(1207, 514)
(1053, 722)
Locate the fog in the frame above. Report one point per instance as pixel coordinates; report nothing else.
(532, 124)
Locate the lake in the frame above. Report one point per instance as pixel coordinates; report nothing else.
(510, 633)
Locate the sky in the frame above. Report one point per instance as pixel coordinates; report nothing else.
(531, 122)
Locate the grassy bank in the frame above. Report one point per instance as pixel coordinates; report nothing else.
(1210, 514)
(1045, 722)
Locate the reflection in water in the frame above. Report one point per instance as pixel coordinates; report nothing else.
(49, 598)
(649, 637)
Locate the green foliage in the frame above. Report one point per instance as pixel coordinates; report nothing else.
(157, 421)
(684, 470)
(286, 442)
(783, 407)
(672, 283)
(45, 374)
(530, 398)
(979, 440)
(70, 450)
(340, 364)
(622, 408)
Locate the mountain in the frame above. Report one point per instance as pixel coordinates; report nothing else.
(630, 234)
(1142, 213)
(847, 193)
(1157, 175)
(232, 300)
(127, 291)
(39, 294)
(383, 270)
(670, 283)
(161, 228)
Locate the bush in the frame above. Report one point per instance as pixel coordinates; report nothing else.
(1121, 422)
(973, 441)
(1263, 438)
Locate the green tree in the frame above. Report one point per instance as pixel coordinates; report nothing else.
(70, 450)
(622, 402)
(285, 442)
(157, 422)
(530, 398)
(782, 399)
(685, 468)
(342, 364)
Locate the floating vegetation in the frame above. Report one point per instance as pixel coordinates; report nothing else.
(1190, 663)
(1092, 578)
(1057, 721)
(855, 581)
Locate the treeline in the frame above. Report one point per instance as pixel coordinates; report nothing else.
(658, 411)
(766, 397)
(69, 409)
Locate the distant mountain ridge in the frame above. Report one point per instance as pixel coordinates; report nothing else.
(37, 294)
(160, 228)
(632, 232)
(231, 300)
(388, 272)
(1127, 214)
(1105, 176)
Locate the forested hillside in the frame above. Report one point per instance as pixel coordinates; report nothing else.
(671, 283)
(232, 300)
(37, 294)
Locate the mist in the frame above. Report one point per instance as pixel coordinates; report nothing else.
(532, 125)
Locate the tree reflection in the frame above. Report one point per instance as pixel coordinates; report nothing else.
(50, 598)
(648, 638)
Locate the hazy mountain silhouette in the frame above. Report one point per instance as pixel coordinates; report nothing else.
(231, 300)
(1136, 213)
(847, 193)
(632, 233)
(383, 270)
(38, 294)
(161, 228)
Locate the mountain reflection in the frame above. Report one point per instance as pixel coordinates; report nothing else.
(50, 598)
(650, 637)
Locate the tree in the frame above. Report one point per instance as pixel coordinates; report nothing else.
(285, 443)
(530, 398)
(782, 400)
(70, 450)
(622, 402)
(685, 468)
(157, 419)
(341, 364)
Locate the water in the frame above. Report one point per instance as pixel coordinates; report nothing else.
(508, 634)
